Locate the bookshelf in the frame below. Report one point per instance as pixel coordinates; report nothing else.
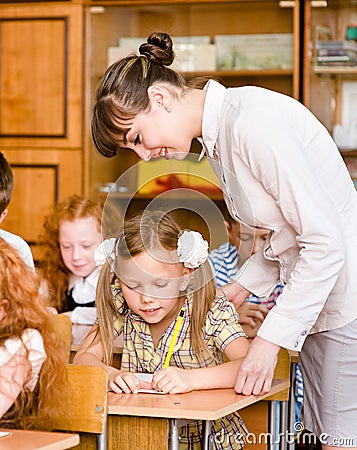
(110, 21)
(330, 88)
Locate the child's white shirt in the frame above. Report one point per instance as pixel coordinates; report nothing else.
(32, 343)
(84, 291)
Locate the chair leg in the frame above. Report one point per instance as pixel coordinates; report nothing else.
(102, 439)
(173, 434)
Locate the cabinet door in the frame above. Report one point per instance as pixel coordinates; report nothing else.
(41, 75)
(41, 84)
(259, 22)
(330, 71)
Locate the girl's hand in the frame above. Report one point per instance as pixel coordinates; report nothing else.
(128, 383)
(252, 314)
(251, 317)
(173, 380)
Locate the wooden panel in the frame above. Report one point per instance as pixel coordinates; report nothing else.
(87, 411)
(42, 177)
(30, 201)
(128, 433)
(33, 84)
(255, 418)
(131, 433)
(41, 76)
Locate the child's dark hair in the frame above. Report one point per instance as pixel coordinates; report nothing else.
(6, 183)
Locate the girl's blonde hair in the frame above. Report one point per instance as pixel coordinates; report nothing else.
(53, 268)
(151, 231)
(20, 285)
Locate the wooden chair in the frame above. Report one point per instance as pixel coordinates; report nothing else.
(63, 328)
(88, 403)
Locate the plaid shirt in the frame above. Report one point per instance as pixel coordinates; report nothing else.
(140, 355)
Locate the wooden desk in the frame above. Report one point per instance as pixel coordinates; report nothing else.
(260, 417)
(37, 440)
(205, 405)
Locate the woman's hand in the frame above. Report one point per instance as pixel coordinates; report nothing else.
(256, 372)
(174, 380)
(234, 292)
(128, 383)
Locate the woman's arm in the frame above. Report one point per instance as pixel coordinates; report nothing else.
(234, 292)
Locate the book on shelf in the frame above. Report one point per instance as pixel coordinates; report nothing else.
(336, 52)
(337, 59)
(336, 45)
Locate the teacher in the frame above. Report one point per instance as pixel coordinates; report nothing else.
(279, 169)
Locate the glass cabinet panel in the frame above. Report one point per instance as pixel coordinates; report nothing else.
(241, 42)
(330, 82)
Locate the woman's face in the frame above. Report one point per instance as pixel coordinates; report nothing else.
(157, 134)
(166, 130)
(78, 240)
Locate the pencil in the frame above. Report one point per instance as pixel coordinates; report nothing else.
(174, 338)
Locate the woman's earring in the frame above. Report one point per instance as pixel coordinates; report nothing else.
(168, 109)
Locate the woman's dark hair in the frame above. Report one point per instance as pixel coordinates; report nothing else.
(122, 92)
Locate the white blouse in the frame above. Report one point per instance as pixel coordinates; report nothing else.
(32, 343)
(279, 169)
(83, 292)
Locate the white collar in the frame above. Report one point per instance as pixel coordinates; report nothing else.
(211, 116)
(90, 280)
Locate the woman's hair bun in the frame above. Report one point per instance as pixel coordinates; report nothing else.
(159, 48)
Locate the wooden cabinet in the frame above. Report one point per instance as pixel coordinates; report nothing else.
(110, 21)
(41, 86)
(330, 73)
(52, 55)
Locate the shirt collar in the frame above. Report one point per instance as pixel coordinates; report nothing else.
(211, 117)
(91, 280)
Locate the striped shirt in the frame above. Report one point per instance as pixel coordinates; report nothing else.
(141, 355)
(224, 263)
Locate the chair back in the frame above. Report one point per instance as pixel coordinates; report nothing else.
(282, 372)
(88, 400)
(63, 328)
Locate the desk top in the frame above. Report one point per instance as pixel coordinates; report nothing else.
(37, 440)
(205, 405)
